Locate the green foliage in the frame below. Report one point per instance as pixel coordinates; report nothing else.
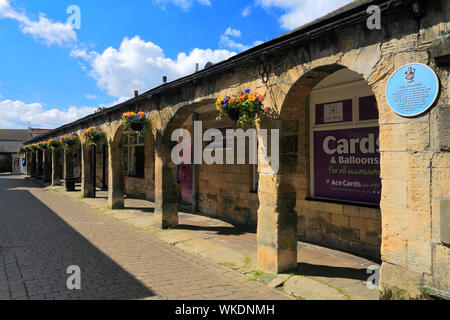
(242, 108)
(69, 141)
(394, 294)
(137, 122)
(94, 136)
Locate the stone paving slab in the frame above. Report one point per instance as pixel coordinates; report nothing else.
(43, 232)
(222, 243)
(310, 289)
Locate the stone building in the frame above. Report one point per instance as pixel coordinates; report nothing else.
(325, 79)
(12, 140)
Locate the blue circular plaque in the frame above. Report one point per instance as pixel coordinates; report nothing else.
(412, 89)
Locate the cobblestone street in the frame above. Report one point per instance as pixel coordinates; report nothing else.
(42, 233)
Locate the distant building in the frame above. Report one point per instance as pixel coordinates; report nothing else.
(11, 140)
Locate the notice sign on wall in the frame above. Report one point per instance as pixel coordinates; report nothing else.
(347, 165)
(412, 89)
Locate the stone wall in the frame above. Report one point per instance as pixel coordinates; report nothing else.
(101, 177)
(144, 188)
(226, 191)
(415, 160)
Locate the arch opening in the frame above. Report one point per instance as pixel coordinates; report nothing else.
(334, 163)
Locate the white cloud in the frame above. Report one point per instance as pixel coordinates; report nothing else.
(16, 114)
(45, 29)
(184, 4)
(227, 41)
(233, 32)
(140, 65)
(246, 11)
(299, 12)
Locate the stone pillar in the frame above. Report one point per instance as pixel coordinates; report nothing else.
(29, 163)
(69, 181)
(166, 197)
(277, 219)
(115, 176)
(277, 225)
(56, 166)
(105, 167)
(39, 171)
(47, 165)
(87, 171)
(33, 163)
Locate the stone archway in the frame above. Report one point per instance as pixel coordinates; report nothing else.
(167, 192)
(117, 171)
(284, 197)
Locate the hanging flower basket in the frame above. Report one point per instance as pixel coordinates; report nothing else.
(69, 141)
(53, 143)
(137, 122)
(34, 147)
(21, 151)
(94, 136)
(43, 145)
(241, 108)
(27, 148)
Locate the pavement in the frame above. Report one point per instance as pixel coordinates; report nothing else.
(43, 233)
(217, 246)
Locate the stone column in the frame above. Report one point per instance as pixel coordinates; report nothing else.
(105, 167)
(39, 171)
(29, 163)
(33, 163)
(87, 171)
(56, 166)
(277, 225)
(277, 219)
(166, 197)
(69, 182)
(47, 165)
(115, 176)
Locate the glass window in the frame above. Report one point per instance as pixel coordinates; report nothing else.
(345, 151)
(334, 112)
(134, 160)
(368, 109)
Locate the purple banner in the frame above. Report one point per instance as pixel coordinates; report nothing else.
(368, 108)
(347, 165)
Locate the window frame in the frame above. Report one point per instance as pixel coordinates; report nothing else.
(129, 145)
(354, 91)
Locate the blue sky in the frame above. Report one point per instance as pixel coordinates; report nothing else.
(52, 73)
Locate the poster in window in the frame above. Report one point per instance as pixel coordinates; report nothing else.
(347, 165)
(333, 112)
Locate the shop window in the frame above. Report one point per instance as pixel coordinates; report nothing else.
(134, 151)
(368, 109)
(345, 157)
(334, 112)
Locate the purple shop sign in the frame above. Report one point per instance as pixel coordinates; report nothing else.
(347, 165)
